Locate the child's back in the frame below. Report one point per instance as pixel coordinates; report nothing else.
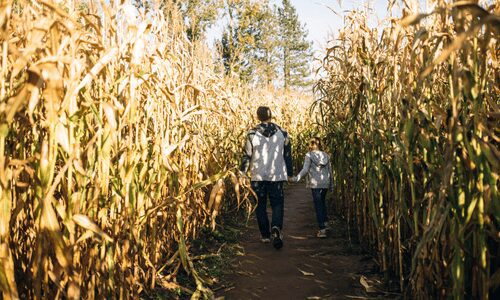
(319, 171)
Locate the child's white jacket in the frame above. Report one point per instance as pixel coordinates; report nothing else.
(318, 170)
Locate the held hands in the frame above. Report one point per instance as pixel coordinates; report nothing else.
(292, 179)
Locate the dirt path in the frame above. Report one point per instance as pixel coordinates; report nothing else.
(306, 267)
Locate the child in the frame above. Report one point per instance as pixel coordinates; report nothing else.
(319, 179)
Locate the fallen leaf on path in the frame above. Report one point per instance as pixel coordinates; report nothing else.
(229, 288)
(305, 250)
(256, 256)
(298, 237)
(329, 272)
(306, 273)
(313, 298)
(247, 261)
(325, 253)
(368, 287)
(245, 273)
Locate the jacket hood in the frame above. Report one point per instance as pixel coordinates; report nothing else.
(319, 158)
(266, 129)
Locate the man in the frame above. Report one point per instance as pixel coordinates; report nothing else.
(268, 156)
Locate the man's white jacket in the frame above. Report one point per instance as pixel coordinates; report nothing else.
(267, 153)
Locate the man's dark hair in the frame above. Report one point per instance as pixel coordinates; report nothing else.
(263, 113)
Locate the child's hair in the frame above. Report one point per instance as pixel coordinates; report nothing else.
(315, 141)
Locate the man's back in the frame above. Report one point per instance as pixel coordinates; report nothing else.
(268, 153)
(268, 162)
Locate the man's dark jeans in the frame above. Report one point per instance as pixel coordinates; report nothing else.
(319, 204)
(273, 189)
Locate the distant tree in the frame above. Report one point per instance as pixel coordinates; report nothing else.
(248, 43)
(296, 50)
(260, 42)
(230, 44)
(198, 15)
(266, 48)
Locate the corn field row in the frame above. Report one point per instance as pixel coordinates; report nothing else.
(411, 111)
(118, 142)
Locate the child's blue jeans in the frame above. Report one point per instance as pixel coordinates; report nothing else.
(320, 206)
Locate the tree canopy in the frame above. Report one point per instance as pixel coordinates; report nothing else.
(265, 45)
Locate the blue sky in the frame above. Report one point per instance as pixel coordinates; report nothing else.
(319, 19)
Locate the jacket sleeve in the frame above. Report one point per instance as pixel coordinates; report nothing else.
(247, 153)
(288, 155)
(305, 168)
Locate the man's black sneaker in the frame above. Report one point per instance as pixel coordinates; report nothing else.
(277, 237)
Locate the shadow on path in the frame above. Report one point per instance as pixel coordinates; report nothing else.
(306, 267)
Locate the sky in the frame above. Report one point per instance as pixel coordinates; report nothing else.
(319, 19)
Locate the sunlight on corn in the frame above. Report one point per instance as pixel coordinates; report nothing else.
(118, 143)
(412, 112)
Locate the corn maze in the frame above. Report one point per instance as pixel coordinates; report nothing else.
(119, 142)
